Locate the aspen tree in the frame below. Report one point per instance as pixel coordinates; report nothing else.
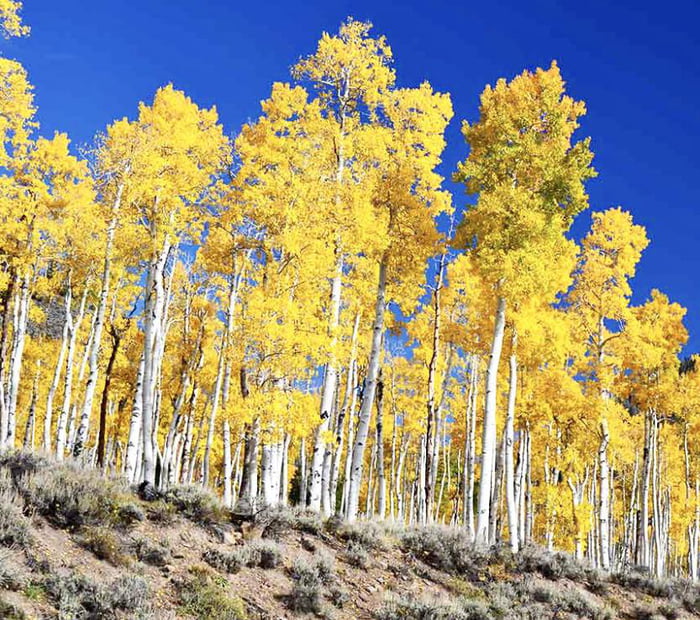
(529, 177)
(601, 293)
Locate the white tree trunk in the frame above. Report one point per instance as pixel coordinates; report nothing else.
(20, 315)
(249, 484)
(368, 396)
(81, 375)
(604, 499)
(133, 444)
(342, 414)
(431, 444)
(488, 454)
(232, 300)
(381, 479)
(187, 458)
(228, 496)
(48, 417)
(327, 392)
(510, 457)
(30, 428)
(61, 431)
(303, 479)
(284, 471)
(470, 448)
(91, 385)
(153, 315)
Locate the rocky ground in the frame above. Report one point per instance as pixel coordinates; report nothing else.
(76, 545)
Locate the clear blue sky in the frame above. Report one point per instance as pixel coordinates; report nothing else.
(636, 64)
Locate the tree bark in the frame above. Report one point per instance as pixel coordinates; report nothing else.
(430, 403)
(367, 396)
(153, 315)
(488, 454)
(102, 434)
(327, 391)
(91, 384)
(510, 457)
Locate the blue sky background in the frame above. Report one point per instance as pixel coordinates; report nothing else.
(636, 64)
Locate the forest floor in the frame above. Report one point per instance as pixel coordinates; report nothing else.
(76, 545)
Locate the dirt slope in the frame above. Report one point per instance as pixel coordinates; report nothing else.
(76, 545)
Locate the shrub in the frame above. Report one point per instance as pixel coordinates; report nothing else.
(264, 554)
(9, 612)
(260, 553)
(645, 612)
(161, 512)
(12, 574)
(502, 596)
(640, 580)
(309, 578)
(20, 464)
(78, 597)
(306, 595)
(552, 565)
(669, 611)
(14, 526)
(71, 497)
(447, 549)
(356, 555)
(196, 503)
(412, 609)
(226, 561)
(204, 596)
(569, 600)
(105, 544)
(338, 596)
(129, 593)
(130, 513)
(367, 534)
(278, 520)
(324, 565)
(155, 554)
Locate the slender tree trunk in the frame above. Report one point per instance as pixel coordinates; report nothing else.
(470, 448)
(488, 454)
(368, 396)
(61, 431)
(327, 391)
(48, 417)
(495, 509)
(303, 479)
(133, 444)
(29, 431)
(284, 471)
(187, 456)
(329, 449)
(72, 431)
(102, 434)
(604, 503)
(249, 485)
(340, 426)
(578, 490)
(153, 314)
(232, 300)
(510, 457)
(20, 315)
(527, 533)
(430, 457)
(399, 485)
(381, 479)
(91, 384)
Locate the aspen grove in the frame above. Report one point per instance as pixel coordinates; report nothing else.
(281, 318)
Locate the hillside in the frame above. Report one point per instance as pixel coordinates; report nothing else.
(78, 545)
